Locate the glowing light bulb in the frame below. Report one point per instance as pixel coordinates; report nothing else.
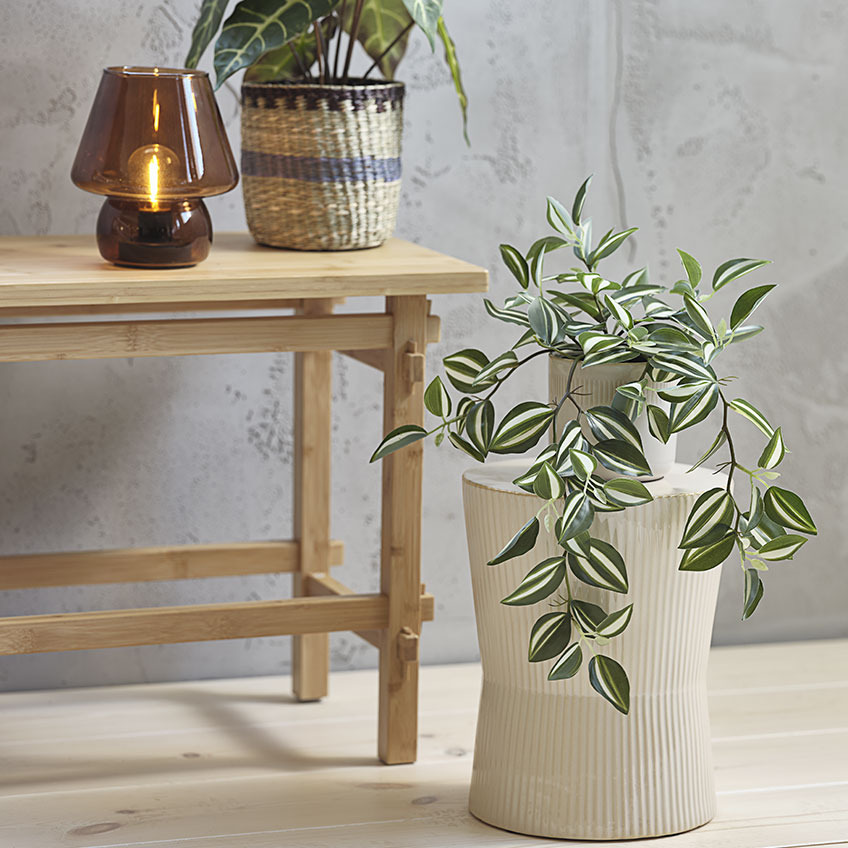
(153, 170)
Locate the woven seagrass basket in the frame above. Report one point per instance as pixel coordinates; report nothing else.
(321, 163)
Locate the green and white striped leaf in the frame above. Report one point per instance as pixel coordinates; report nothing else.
(619, 312)
(632, 391)
(788, 510)
(594, 283)
(507, 314)
(521, 543)
(774, 451)
(549, 637)
(699, 317)
(605, 567)
(755, 509)
(712, 509)
(696, 409)
(632, 294)
(617, 354)
(709, 556)
(783, 547)
(572, 437)
(436, 398)
(748, 410)
(583, 463)
(536, 261)
(479, 424)
(516, 263)
(745, 332)
(692, 268)
(426, 14)
(576, 518)
(208, 20)
(399, 438)
(764, 531)
(466, 447)
(683, 391)
(683, 364)
(568, 664)
(719, 440)
(521, 428)
(593, 342)
(541, 581)
(587, 617)
(463, 367)
(462, 410)
(559, 218)
(746, 303)
(548, 485)
(621, 457)
(625, 491)
(579, 545)
(658, 423)
(608, 423)
(526, 480)
(579, 199)
(656, 308)
(672, 337)
(546, 320)
(257, 26)
(616, 622)
(609, 680)
(504, 362)
(753, 592)
(733, 269)
(609, 244)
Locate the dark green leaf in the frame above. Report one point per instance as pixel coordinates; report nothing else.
(510, 316)
(583, 463)
(692, 268)
(735, 268)
(516, 263)
(479, 425)
(621, 457)
(608, 423)
(576, 518)
(548, 484)
(208, 20)
(694, 410)
(658, 423)
(399, 438)
(579, 199)
(625, 491)
(609, 679)
(568, 664)
(521, 543)
(616, 622)
(463, 367)
(521, 428)
(710, 556)
(747, 303)
(788, 510)
(774, 451)
(609, 244)
(720, 439)
(753, 592)
(712, 509)
(550, 636)
(783, 547)
(466, 447)
(748, 410)
(542, 580)
(436, 399)
(587, 617)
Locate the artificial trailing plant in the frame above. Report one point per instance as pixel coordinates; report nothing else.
(589, 319)
(313, 40)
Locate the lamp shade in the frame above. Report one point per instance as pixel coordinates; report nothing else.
(154, 134)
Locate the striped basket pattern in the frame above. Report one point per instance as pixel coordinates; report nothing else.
(321, 163)
(553, 758)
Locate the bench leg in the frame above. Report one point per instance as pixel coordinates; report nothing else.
(400, 560)
(312, 486)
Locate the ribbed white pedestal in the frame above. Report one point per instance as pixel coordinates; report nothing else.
(554, 758)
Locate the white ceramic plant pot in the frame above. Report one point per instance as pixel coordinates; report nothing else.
(598, 384)
(553, 758)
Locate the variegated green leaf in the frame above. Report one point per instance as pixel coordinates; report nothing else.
(436, 399)
(399, 438)
(549, 637)
(516, 263)
(208, 20)
(735, 268)
(592, 342)
(709, 556)
(542, 580)
(683, 391)
(579, 199)
(625, 491)
(504, 362)
(452, 62)
(601, 357)
(712, 509)
(608, 423)
(463, 367)
(479, 424)
(748, 410)
(774, 451)
(426, 14)
(536, 261)
(571, 437)
(521, 428)
(546, 320)
(462, 410)
(755, 510)
(568, 664)
(609, 244)
(510, 316)
(694, 410)
(633, 391)
(788, 510)
(525, 481)
(606, 567)
(583, 463)
(692, 268)
(609, 679)
(616, 622)
(719, 440)
(753, 592)
(466, 447)
(783, 547)
(579, 545)
(576, 518)
(618, 311)
(257, 26)
(559, 218)
(548, 485)
(745, 332)
(683, 364)
(658, 423)
(595, 283)
(586, 617)
(521, 543)
(699, 317)
(579, 300)
(747, 303)
(621, 457)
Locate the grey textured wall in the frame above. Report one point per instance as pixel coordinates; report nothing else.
(716, 127)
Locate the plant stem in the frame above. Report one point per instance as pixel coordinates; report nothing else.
(354, 31)
(339, 42)
(388, 50)
(303, 69)
(319, 48)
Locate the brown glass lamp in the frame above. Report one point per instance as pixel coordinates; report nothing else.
(155, 145)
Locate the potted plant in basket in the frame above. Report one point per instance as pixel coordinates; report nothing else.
(618, 590)
(320, 147)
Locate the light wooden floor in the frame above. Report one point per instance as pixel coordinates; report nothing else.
(237, 764)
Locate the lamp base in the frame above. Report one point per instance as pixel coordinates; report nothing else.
(172, 234)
